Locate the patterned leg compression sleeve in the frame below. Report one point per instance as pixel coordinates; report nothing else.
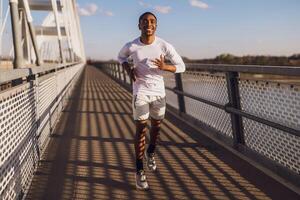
(154, 134)
(140, 142)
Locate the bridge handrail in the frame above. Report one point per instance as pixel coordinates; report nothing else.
(7, 75)
(257, 69)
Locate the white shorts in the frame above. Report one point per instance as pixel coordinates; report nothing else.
(145, 105)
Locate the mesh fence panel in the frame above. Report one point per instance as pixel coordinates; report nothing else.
(46, 95)
(61, 78)
(17, 126)
(210, 87)
(171, 97)
(209, 115)
(205, 85)
(275, 144)
(278, 103)
(20, 108)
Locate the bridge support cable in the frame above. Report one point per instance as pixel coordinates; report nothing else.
(59, 31)
(32, 31)
(16, 32)
(78, 31)
(57, 22)
(67, 19)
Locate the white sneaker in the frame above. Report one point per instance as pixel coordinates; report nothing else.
(151, 164)
(141, 181)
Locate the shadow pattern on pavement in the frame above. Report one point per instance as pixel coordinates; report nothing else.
(91, 155)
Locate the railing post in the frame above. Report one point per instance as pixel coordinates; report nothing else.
(119, 71)
(114, 70)
(179, 87)
(108, 69)
(124, 75)
(234, 101)
(111, 70)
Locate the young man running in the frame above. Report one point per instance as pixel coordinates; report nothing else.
(148, 53)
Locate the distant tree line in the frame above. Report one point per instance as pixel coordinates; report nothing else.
(293, 60)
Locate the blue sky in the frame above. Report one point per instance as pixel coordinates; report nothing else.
(197, 29)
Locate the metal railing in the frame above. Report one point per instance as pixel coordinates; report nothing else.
(29, 110)
(258, 117)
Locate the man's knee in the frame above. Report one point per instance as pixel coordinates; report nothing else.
(141, 125)
(156, 123)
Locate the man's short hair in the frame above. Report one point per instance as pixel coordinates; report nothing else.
(147, 13)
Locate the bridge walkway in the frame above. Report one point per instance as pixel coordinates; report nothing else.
(91, 156)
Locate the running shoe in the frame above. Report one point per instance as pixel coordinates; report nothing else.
(151, 164)
(141, 181)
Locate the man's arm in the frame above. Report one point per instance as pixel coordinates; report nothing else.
(177, 66)
(160, 63)
(123, 60)
(129, 70)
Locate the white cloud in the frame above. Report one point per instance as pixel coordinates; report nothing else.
(88, 10)
(163, 9)
(108, 13)
(92, 9)
(146, 5)
(198, 4)
(157, 8)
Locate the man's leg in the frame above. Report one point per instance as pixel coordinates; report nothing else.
(154, 134)
(157, 113)
(140, 107)
(140, 142)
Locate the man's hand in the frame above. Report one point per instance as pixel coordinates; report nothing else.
(130, 71)
(132, 74)
(160, 63)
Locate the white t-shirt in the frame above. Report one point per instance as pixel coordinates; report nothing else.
(149, 79)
